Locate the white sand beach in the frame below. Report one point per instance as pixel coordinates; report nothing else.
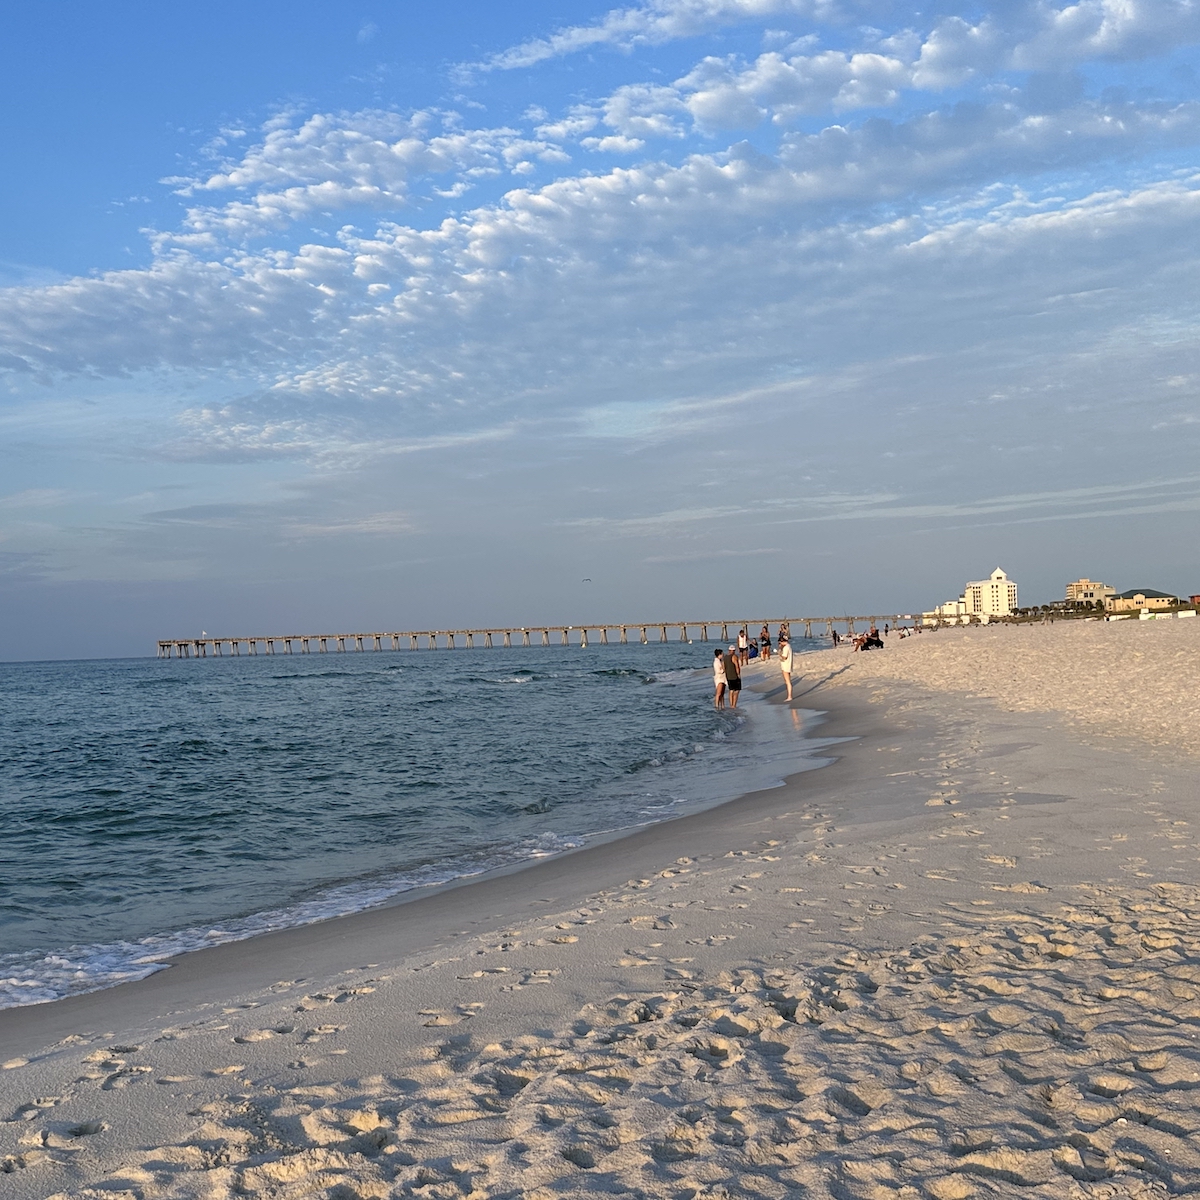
(962, 959)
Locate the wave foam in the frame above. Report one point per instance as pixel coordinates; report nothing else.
(37, 977)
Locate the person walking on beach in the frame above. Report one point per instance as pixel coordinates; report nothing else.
(743, 646)
(719, 680)
(785, 664)
(733, 677)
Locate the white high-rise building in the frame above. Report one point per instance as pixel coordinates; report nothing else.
(995, 596)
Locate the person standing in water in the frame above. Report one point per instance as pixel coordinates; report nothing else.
(733, 676)
(785, 664)
(719, 680)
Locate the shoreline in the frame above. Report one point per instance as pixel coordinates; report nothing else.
(781, 757)
(438, 912)
(715, 762)
(959, 958)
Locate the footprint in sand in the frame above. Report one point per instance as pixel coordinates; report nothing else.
(86, 1129)
(872, 1073)
(263, 1035)
(316, 1000)
(124, 1077)
(538, 976)
(350, 993)
(440, 1017)
(317, 1032)
(12, 1163)
(34, 1108)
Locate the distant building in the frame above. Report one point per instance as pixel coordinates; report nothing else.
(1141, 600)
(1088, 589)
(995, 596)
(1194, 601)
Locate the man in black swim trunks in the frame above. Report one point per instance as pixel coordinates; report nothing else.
(733, 676)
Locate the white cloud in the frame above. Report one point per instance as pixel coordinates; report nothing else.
(721, 96)
(332, 162)
(35, 498)
(1032, 35)
(1043, 37)
(657, 272)
(1144, 496)
(376, 524)
(614, 144)
(674, 279)
(645, 111)
(651, 24)
(1106, 29)
(956, 50)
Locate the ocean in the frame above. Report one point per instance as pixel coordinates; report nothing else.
(152, 807)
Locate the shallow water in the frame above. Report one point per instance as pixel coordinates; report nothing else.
(151, 807)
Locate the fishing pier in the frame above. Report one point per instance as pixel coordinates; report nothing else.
(582, 636)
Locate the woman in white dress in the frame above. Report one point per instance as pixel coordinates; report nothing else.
(785, 663)
(719, 680)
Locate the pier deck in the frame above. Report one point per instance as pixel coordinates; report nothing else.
(592, 633)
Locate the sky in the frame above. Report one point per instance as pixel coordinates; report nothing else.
(320, 318)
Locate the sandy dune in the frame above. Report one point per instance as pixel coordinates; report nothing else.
(964, 960)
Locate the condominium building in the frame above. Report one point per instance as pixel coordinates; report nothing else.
(995, 596)
(1089, 589)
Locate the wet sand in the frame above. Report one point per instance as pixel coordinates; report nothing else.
(959, 960)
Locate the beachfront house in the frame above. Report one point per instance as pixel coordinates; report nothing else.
(995, 596)
(1088, 590)
(1141, 600)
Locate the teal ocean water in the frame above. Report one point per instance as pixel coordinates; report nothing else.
(153, 807)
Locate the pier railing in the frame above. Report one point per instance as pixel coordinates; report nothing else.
(593, 633)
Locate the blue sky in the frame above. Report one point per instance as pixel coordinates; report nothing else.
(405, 315)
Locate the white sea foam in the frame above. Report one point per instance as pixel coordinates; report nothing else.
(36, 977)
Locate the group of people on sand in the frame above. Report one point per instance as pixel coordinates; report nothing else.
(728, 665)
(870, 640)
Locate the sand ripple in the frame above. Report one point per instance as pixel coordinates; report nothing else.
(1014, 1054)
